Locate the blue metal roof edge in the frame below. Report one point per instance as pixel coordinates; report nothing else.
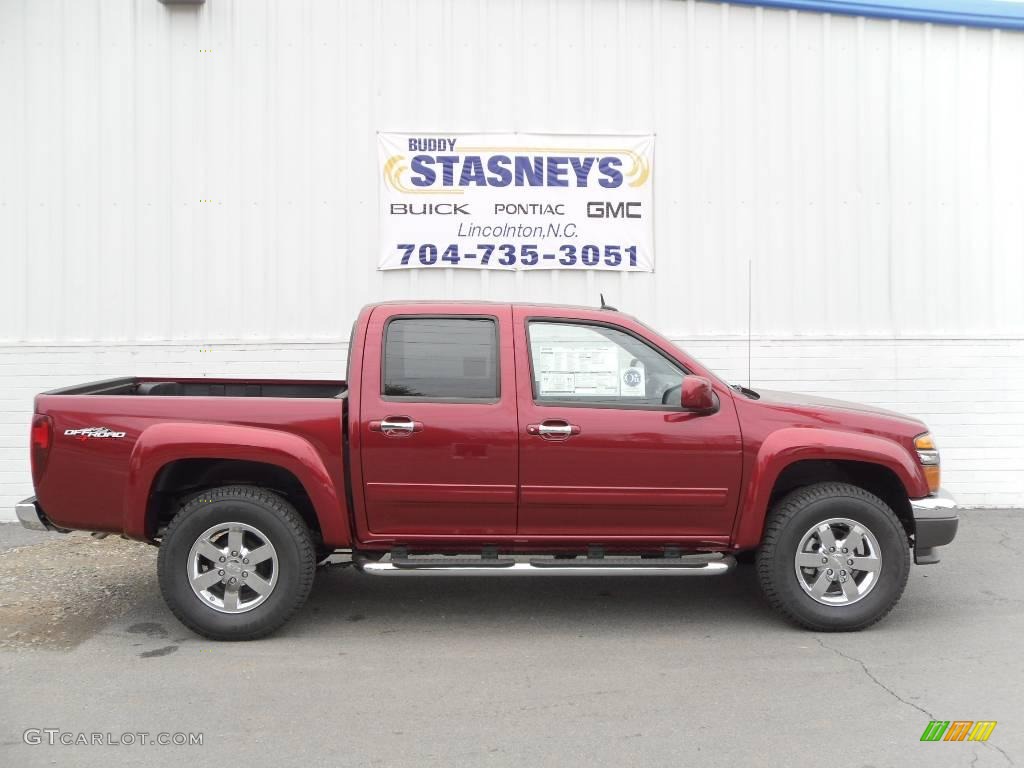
(1001, 14)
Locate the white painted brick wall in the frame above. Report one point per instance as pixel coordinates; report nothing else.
(969, 391)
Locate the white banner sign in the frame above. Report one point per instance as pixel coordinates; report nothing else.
(516, 201)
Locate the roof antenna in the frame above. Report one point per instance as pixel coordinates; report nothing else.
(606, 306)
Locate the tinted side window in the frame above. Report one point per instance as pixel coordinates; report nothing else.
(596, 364)
(433, 357)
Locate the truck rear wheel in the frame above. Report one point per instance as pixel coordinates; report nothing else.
(236, 562)
(834, 558)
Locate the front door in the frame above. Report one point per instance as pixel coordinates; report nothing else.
(605, 448)
(438, 423)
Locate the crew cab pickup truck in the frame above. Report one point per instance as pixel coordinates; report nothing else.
(492, 439)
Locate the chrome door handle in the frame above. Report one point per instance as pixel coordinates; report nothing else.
(396, 425)
(546, 429)
(553, 430)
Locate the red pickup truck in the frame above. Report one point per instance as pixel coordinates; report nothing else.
(486, 438)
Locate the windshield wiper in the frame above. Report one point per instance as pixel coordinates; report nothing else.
(745, 391)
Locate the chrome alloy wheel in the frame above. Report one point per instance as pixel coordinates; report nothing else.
(838, 561)
(232, 567)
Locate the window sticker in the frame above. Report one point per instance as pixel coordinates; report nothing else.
(578, 368)
(633, 381)
(557, 383)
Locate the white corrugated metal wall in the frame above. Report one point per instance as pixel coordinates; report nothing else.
(193, 191)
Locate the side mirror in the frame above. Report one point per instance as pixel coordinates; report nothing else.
(697, 394)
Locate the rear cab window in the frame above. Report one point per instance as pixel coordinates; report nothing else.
(441, 359)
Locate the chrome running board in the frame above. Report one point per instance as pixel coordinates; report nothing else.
(687, 565)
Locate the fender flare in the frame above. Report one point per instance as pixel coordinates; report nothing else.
(792, 444)
(160, 444)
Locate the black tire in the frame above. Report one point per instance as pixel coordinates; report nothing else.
(792, 517)
(282, 526)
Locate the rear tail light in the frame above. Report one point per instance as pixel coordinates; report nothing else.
(42, 440)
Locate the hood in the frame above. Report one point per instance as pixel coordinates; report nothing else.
(812, 404)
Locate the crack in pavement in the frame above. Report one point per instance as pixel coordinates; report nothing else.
(1005, 541)
(874, 679)
(899, 698)
(1000, 750)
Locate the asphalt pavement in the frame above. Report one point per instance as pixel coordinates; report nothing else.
(448, 671)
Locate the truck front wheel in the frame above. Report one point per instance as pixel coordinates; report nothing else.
(236, 562)
(833, 558)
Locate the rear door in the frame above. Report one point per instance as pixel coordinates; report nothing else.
(605, 448)
(438, 424)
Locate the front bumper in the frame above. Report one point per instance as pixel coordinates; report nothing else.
(935, 525)
(31, 516)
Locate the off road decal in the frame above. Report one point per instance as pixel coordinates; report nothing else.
(90, 433)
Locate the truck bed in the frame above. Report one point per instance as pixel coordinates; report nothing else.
(101, 430)
(207, 387)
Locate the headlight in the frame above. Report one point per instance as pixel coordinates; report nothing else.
(928, 455)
